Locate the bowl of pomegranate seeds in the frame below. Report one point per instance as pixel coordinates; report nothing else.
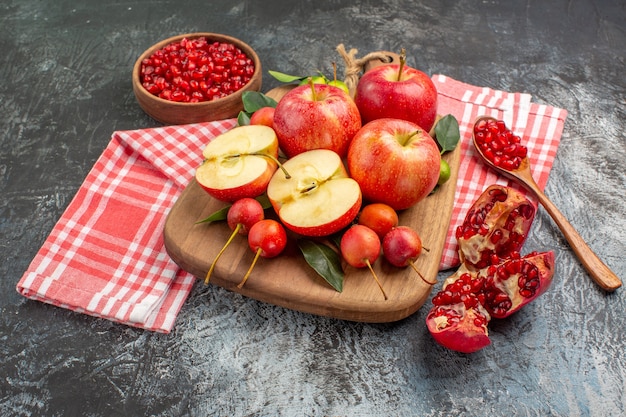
(195, 77)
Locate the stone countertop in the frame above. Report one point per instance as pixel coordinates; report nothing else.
(66, 87)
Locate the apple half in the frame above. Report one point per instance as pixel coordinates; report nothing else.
(320, 198)
(239, 163)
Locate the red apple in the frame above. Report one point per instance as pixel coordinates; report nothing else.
(239, 163)
(319, 199)
(397, 91)
(316, 116)
(395, 162)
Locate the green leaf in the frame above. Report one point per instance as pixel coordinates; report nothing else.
(285, 78)
(222, 213)
(325, 261)
(447, 133)
(243, 119)
(254, 100)
(217, 216)
(264, 200)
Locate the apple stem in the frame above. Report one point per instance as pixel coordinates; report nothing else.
(230, 239)
(405, 139)
(420, 274)
(369, 265)
(312, 84)
(402, 62)
(245, 277)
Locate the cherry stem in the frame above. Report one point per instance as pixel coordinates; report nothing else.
(282, 168)
(420, 275)
(268, 156)
(245, 277)
(230, 239)
(402, 62)
(369, 265)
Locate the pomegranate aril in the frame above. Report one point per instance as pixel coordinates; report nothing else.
(499, 144)
(196, 59)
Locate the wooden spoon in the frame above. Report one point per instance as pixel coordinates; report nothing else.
(599, 272)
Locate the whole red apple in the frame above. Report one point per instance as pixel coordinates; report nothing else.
(395, 162)
(316, 116)
(399, 92)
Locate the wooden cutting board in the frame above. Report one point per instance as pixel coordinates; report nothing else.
(288, 281)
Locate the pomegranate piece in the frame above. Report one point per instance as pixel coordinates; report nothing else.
(493, 281)
(458, 320)
(512, 284)
(470, 299)
(499, 144)
(196, 70)
(495, 227)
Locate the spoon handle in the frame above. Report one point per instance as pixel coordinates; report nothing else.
(598, 270)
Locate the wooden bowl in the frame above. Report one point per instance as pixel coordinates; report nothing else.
(173, 113)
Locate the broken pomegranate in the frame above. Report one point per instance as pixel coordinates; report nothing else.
(495, 227)
(499, 144)
(494, 280)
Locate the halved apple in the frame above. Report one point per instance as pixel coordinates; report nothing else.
(320, 198)
(239, 163)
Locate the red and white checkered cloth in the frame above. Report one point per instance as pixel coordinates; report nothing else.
(540, 127)
(105, 257)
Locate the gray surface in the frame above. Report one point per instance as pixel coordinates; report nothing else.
(66, 67)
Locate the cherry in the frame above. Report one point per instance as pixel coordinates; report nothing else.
(267, 238)
(241, 216)
(196, 70)
(401, 247)
(379, 217)
(360, 247)
(263, 116)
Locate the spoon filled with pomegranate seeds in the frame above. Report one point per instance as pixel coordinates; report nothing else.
(502, 150)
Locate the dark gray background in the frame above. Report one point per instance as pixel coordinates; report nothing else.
(65, 68)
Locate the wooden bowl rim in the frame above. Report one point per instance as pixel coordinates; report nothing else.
(247, 49)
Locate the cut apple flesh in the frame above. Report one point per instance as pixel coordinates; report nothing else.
(237, 161)
(320, 198)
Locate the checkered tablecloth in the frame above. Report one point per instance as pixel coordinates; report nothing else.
(105, 257)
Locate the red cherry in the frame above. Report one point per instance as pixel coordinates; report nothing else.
(360, 247)
(241, 216)
(267, 238)
(379, 217)
(401, 247)
(263, 116)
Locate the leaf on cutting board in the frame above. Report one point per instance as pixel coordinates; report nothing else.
(325, 261)
(222, 213)
(254, 100)
(447, 133)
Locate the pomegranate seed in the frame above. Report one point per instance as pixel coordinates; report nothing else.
(499, 144)
(178, 70)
